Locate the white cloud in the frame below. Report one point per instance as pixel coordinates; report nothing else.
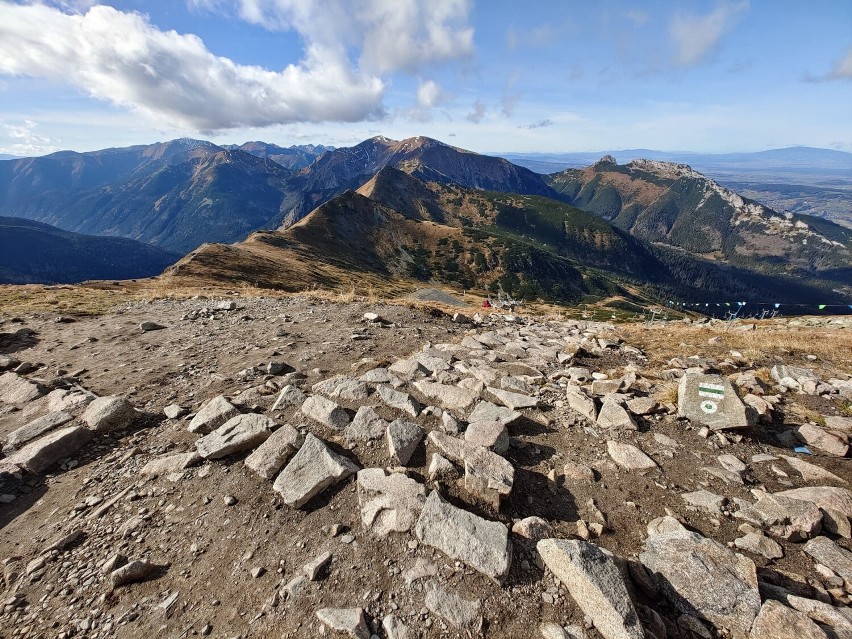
(430, 94)
(390, 35)
(476, 116)
(173, 78)
(697, 36)
(24, 140)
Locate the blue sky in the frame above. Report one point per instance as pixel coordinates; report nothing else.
(550, 76)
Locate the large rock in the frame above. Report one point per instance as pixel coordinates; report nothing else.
(759, 544)
(452, 448)
(595, 583)
(239, 433)
(488, 412)
(446, 396)
(777, 621)
(629, 457)
(108, 413)
(481, 544)
(826, 497)
(701, 577)
(15, 389)
(168, 464)
(488, 476)
(613, 416)
(326, 412)
(822, 440)
(313, 469)
(512, 400)
(491, 435)
(36, 428)
(389, 503)
(289, 396)
(403, 438)
(783, 517)
(350, 621)
(581, 403)
(41, 454)
(712, 401)
(342, 387)
(830, 554)
(812, 472)
(367, 425)
(791, 376)
(399, 400)
(271, 455)
(214, 413)
(457, 611)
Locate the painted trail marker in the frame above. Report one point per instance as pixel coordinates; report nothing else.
(712, 401)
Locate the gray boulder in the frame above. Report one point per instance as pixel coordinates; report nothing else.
(36, 428)
(481, 544)
(777, 621)
(350, 621)
(42, 453)
(15, 389)
(239, 433)
(613, 416)
(214, 413)
(367, 425)
(595, 583)
(313, 469)
(403, 438)
(108, 413)
(450, 397)
(326, 412)
(389, 503)
(449, 606)
(711, 400)
(270, 457)
(399, 400)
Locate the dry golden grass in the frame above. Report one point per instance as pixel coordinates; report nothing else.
(772, 342)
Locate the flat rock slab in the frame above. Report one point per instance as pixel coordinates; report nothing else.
(828, 553)
(629, 457)
(289, 396)
(701, 577)
(399, 400)
(711, 400)
(481, 544)
(403, 438)
(215, 413)
(581, 403)
(168, 464)
(822, 440)
(783, 517)
(326, 412)
(459, 612)
(512, 400)
(313, 469)
(342, 387)
(389, 503)
(488, 412)
(350, 621)
(488, 476)
(42, 453)
(367, 425)
(269, 458)
(826, 497)
(595, 583)
(777, 621)
(446, 396)
(491, 435)
(36, 428)
(15, 389)
(760, 544)
(711, 502)
(106, 414)
(812, 472)
(614, 417)
(239, 433)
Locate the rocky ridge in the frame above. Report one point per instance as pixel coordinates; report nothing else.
(294, 467)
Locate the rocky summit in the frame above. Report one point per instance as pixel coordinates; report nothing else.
(302, 466)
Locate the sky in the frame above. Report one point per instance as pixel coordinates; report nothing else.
(552, 76)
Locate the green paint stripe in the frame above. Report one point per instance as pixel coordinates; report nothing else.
(713, 391)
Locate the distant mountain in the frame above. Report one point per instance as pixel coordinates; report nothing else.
(673, 205)
(293, 157)
(795, 159)
(5, 156)
(422, 157)
(31, 252)
(397, 231)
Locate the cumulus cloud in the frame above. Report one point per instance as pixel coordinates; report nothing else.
(696, 36)
(174, 79)
(478, 112)
(430, 94)
(391, 35)
(23, 140)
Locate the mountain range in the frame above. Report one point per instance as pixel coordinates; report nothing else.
(420, 210)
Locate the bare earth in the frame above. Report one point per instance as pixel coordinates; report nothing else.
(208, 552)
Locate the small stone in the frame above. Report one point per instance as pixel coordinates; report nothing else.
(314, 568)
(109, 413)
(238, 434)
(459, 612)
(289, 396)
(174, 411)
(613, 416)
(150, 326)
(350, 621)
(230, 500)
(533, 528)
(629, 457)
(132, 572)
(760, 545)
